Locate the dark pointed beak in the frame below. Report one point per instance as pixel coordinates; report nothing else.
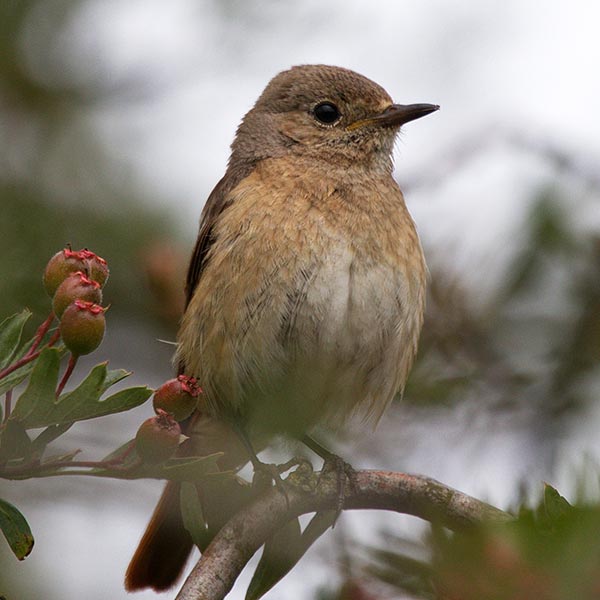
(397, 114)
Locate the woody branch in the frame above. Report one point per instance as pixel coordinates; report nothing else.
(218, 568)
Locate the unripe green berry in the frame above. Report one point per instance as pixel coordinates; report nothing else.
(178, 397)
(157, 438)
(68, 261)
(77, 286)
(59, 267)
(82, 327)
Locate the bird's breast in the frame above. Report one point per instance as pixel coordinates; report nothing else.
(310, 303)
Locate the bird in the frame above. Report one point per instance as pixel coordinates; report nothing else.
(306, 288)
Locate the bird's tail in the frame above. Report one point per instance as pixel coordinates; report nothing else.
(166, 545)
(164, 548)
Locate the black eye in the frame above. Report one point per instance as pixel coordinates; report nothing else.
(326, 112)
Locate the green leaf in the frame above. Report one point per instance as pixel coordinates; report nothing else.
(277, 559)
(192, 514)
(16, 530)
(40, 392)
(11, 330)
(43, 409)
(192, 469)
(14, 442)
(16, 377)
(48, 435)
(283, 551)
(555, 505)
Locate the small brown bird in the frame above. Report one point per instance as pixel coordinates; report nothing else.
(306, 288)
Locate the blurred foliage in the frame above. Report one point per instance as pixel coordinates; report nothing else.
(549, 552)
(60, 185)
(32, 230)
(538, 338)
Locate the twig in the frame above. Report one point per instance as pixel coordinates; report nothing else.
(40, 333)
(7, 404)
(218, 568)
(69, 370)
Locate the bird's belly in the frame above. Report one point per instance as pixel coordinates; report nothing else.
(334, 343)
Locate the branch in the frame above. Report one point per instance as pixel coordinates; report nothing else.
(218, 568)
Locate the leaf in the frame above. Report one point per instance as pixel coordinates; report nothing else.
(16, 377)
(555, 505)
(192, 469)
(16, 530)
(192, 514)
(14, 442)
(48, 435)
(283, 551)
(40, 392)
(11, 330)
(43, 409)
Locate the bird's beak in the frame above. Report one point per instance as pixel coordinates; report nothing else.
(396, 115)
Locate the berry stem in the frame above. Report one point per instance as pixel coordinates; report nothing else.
(28, 357)
(7, 405)
(40, 333)
(61, 386)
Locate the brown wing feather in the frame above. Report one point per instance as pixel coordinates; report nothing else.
(217, 202)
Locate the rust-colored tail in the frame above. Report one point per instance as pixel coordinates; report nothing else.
(164, 549)
(165, 546)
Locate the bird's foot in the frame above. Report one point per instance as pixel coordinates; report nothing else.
(265, 474)
(344, 475)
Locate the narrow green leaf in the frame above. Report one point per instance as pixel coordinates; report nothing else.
(277, 559)
(40, 392)
(283, 551)
(48, 435)
(191, 469)
(192, 514)
(16, 530)
(11, 330)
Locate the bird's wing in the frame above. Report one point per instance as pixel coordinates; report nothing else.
(218, 201)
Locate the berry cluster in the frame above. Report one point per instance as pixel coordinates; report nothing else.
(74, 280)
(174, 401)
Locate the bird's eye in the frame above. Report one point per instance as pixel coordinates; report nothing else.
(326, 113)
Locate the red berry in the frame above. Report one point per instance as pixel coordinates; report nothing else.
(82, 326)
(157, 438)
(178, 397)
(77, 286)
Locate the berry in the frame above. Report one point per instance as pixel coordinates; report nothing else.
(178, 397)
(77, 286)
(157, 438)
(59, 267)
(82, 326)
(97, 266)
(68, 261)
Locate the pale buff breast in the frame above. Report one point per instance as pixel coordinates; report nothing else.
(305, 313)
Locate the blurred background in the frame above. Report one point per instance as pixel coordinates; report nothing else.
(115, 123)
